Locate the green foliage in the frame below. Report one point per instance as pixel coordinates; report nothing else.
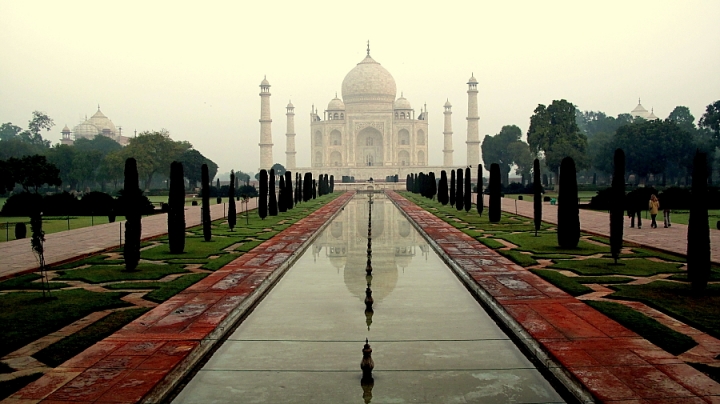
(114, 273)
(698, 232)
(249, 245)
(568, 284)
(631, 267)
(506, 149)
(192, 161)
(25, 317)
(491, 243)
(537, 196)
(56, 354)
(131, 208)
(546, 244)
(711, 119)
(272, 196)
(554, 131)
(519, 258)
(154, 152)
(205, 185)
(195, 247)
(27, 282)
(219, 262)
(568, 225)
(263, 202)
(176, 209)
(603, 280)
(494, 210)
(648, 328)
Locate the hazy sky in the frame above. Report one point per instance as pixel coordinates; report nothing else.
(194, 68)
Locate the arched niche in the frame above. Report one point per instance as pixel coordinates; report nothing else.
(369, 148)
(336, 138)
(404, 158)
(403, 137)
(421, 137)
(336, 159)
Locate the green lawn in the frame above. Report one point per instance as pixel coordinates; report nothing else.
(53, 224)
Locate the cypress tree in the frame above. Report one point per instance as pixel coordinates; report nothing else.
(698, 233)
(307, 187)
(468, 191)
(433, 185)
(568, 227)
(205, 178)
(297, 188)
(452, 188)
(176, 209)
(537, 195)
(272, 197)
(459, 198)
(133, 226)
(480, 201)
(314, 188)
(263, 199)
(288, 190)
(217, 189)
(443, 188)
(617, 206)
(407, 182)
(494, 208)
(332, 183)
(281, 195)
(232, 210)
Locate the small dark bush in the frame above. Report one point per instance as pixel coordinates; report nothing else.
(164, 208)
(602, 200)
(520, 197)
(60, 204)
(518, 188)
(146, 207)
(97, 203)
(22, 204)
(546, 198)
(20, 230)
(194, 203)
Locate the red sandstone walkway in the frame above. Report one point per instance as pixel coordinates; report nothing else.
(673, 239)
(16, 256)
(609, 361)
(147, 358)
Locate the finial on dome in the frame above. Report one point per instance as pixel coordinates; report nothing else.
(98, 107)
(368, 47)
(335, 94)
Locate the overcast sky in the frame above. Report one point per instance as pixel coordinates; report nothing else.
(194, 68)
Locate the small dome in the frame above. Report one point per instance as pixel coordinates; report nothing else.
(290, 105)
(402, 103)
(86, 130)
(368, 82)
(652, 116)
(447, 104)
(66, 129)
(102, 122)
(639, 111)
(265, 82)
(472, 79)
(336, 104)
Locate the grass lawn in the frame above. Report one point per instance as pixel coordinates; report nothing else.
(27, 281)
(606, 266)
(546, 243)
(161, 291)
(25, 317)
(51, 224)
(566, 283)
(114, 273)
(57, 353)
(648, 328)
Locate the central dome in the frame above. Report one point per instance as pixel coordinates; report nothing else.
(368, 82)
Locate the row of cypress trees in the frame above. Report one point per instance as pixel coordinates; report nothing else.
(305, 188)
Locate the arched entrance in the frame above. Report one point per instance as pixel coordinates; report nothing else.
(369, 151)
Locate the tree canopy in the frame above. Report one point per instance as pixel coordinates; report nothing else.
(554, 132)
(192, 160)
(507, 149)
(711, 118)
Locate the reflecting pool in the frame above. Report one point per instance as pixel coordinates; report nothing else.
(431, 341)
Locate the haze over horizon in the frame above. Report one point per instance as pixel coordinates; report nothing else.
(195, 70)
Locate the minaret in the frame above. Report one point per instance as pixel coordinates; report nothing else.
(290, 146)
(266, 144)
(448, 150)
(473, 137)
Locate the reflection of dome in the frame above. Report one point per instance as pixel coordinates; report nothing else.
(402, 103)
(336, 104)
(86, 130)
(378, 219)
(385, 276)
(368, 81)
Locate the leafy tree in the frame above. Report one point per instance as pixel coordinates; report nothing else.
(698, 233)
(110, 169)
(593, 123)
(102, 144)
(192, 160)
(9, 131)
(505, 148)
(683, 118)
(133, 226)
(537, 196)
(272, 206)
(443, 188)
(63, 157)
(154, 151)
(459, 198)
(617, 216)
(34, 172)
(18, 148)
(176, 209)
(480, 201)
(85, 167)
(263, 202)
(711, 119)
(279, 169)
(288, 190)
(568, 227)
(494, 187)
(7, 178)
(554, 132)
(205, 185)
(452, 188)
(467, 203)
(232, 210)
(241, 176)
(38, 122)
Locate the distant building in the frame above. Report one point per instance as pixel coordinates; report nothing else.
(641, 112)
(97, 125)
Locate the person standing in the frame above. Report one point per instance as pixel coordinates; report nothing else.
(635, 206)
(654, 206)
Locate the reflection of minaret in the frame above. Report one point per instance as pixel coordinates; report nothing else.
(473, 137)
(448, 150)
(266, 144)
(290, 146)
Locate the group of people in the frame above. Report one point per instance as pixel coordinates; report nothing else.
(635, 207)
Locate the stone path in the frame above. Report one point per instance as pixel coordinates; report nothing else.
(594, 355)
(673, 239)
(16, 256)
(146, 359)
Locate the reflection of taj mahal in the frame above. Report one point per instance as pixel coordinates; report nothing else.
(394, 244)
(369, 133)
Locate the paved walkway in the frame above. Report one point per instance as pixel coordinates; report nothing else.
(594, 356)
(147, 358)
(16, 256)
(673, 239)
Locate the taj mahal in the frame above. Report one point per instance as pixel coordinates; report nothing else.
(369, 133)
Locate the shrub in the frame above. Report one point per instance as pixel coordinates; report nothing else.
(452, 188)
(176, 209)
(459, 198)
(272, 197)
(205, 179)
(479, 190)
(22, 204)
(263, 202)
(568, 227)
(60, 204)
(494, 211)
(98, 204)
(20, 230)
(468, 192)
(133, 226)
